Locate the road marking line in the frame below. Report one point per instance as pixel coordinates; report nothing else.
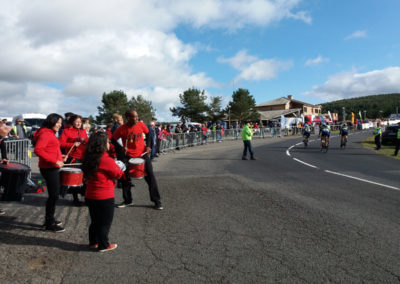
(300, 161)
(364, 180)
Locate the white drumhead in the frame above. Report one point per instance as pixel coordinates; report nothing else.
(121, 165)
(71, 170)
(136, 161)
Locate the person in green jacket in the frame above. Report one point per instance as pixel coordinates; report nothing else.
(247, 133)
(378, 135)
(397, 141)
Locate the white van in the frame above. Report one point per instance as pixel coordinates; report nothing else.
(33, 121)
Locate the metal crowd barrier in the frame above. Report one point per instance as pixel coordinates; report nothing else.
(19, 150)
(182, 140)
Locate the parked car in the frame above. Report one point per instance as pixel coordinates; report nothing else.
(389, 136)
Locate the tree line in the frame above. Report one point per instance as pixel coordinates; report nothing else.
(375, 106)
(194, 107)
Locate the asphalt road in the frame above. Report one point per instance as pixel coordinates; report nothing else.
(228, 221)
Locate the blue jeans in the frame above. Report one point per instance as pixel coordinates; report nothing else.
(247, 145)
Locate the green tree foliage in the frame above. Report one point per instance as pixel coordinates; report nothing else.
(114, 102)
(193, 106)
(242, 106)
(143, 107)
(215, 112)
(376, 106)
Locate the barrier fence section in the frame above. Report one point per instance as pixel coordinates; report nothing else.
(177, 141)
(19, 150)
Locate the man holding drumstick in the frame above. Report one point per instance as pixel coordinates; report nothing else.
(135, 146)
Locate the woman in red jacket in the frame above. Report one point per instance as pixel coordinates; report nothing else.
(47, 148)
(101, 172)
(73, 140)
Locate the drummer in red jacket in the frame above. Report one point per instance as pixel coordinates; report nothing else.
(73, 140)
(47, 148)
(101, 172)
(135, 146)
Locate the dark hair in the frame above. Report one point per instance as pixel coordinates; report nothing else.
(51, 120)
(74, 117)
(95, 149)
(68, 114)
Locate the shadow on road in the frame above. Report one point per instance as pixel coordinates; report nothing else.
(16, 239)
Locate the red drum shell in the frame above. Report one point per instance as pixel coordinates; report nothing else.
(71, 177)
(136, 168)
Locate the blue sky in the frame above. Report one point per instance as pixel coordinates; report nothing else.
(62, 56)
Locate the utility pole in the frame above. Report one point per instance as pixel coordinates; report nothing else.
(344, 114)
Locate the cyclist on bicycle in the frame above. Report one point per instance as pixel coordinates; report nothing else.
(306, 132)
(344, 132)
(325, 133)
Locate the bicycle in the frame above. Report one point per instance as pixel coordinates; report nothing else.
(324, 144)
(343, 142)
(305, 141)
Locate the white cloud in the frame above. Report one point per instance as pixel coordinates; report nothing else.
(316, 61)
(357, 34)
(352, 84)
(95, 46)
(254, 69)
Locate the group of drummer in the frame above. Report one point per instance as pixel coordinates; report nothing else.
(100, 171)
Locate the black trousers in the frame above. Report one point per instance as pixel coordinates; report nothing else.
(397, 147)
(247, 145)
(52, 178)
(149, 178)
(378, 142)
(101, 215)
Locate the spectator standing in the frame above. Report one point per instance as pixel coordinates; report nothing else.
(204, 130)
(236, 129)
(19, 129)
(378, 135)
(65, 124)
(178, 134)
(47, 148)
(153, 140)
(117, 122)
(247, 133)
(86, 125)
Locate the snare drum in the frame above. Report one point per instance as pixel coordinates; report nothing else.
(121, 165)
(136, 168)
(71, 177)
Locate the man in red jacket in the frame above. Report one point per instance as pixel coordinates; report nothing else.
(135, 146)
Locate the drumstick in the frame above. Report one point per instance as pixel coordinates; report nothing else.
(76, 164)
(143, 154)
(66, 156)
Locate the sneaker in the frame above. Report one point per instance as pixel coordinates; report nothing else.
(158, 205)
(56, 222)
(110, 247)
(94, 246)
(254, 158)
(244, 158)
(123, 205)
(55, 228)
(2, 212)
